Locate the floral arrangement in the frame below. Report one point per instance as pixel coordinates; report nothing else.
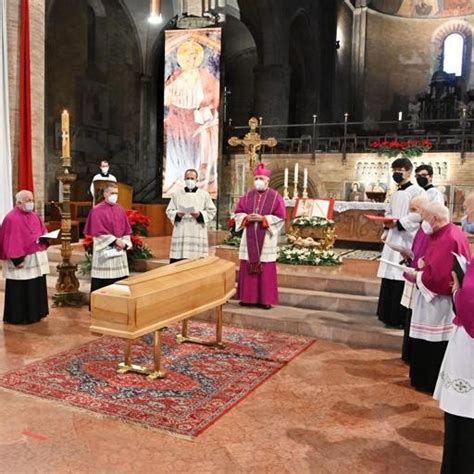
(320, 222)
(406, 148)
(234, 237)
(307, 256)
(139, 224)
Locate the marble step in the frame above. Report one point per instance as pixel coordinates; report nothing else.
(353, 329)
(305, 279)
(321, 300)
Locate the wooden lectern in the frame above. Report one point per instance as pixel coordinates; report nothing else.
(125, 196)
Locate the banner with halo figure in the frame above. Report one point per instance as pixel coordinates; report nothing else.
(191, 101)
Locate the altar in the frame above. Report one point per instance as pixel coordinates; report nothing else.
(351, 223)
(353, 226)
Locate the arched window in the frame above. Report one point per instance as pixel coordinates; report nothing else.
(453, 53)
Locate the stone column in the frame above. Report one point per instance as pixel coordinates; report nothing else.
(37, 47)
(359, 45)
(272, 95)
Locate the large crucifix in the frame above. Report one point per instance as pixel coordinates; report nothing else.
(252, 142)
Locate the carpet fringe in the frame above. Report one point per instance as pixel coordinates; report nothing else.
(90, 412)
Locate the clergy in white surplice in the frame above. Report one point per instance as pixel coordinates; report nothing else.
(110, 229)
(25, 264)
(399, 234)
(190, 210)
(432, 311)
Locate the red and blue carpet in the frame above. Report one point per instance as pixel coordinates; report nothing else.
(202, 383)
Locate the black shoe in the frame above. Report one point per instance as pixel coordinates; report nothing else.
(265, 306)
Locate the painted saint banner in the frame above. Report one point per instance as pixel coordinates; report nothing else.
(191, 101)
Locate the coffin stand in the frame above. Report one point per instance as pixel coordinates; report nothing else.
(159, 298)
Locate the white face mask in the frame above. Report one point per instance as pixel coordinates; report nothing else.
(414, 217)
(190, 183)
(104, 170)
(112, 199)
(260, 184)
(28, 206)
(427, 229)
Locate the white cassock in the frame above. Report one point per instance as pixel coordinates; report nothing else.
(189, 238)
(399, 207)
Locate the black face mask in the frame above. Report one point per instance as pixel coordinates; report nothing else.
(422, 181)
(397, 177)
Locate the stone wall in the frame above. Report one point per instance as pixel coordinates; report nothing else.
(401, 56)
(37, 32)
(93, 70)
(330, 176)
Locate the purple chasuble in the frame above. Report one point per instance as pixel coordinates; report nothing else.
(19, 234)
(439, 259)
(265, 203)
(107, 219)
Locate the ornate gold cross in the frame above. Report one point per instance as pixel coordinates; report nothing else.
(252, 142)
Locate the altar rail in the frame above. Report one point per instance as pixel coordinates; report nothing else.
(448, 135)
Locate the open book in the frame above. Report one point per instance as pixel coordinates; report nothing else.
(54, 234)
(459, 266)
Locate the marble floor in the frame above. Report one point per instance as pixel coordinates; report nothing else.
(334, 409)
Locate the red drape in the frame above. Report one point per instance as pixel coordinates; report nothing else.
(25, 165)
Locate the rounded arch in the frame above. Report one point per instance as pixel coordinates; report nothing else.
(439, 35)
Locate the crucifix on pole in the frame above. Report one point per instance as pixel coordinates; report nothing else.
(252, 142)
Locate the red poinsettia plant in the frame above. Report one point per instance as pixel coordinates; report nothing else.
(139, 224)
(405, 148)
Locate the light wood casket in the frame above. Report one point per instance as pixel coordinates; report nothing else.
(144, 303)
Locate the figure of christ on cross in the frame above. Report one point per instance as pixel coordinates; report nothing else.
(252, 142)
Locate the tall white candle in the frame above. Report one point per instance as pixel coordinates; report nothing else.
(286, 178)
(296, 173)
(305, 178)
(400, 116)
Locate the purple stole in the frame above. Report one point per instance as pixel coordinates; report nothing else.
(265, 203)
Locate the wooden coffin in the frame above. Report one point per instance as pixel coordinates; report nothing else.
(144, 303)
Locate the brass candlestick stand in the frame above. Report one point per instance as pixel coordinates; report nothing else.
(67, 286)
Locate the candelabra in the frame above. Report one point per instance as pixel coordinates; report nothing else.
(67, 285)
(295, 191)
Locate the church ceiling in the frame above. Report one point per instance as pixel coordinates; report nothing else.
(423, 8)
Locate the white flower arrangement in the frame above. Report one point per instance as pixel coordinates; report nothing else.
(307, 256)
(312, 222)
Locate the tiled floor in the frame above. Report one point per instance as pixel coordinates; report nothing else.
(333, 409)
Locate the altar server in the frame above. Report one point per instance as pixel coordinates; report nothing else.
(424, 178)
(401, 234)
(108, 224)
(25, 262)
(104, 175)
(261, 214)
(455, 387)
(432, 314)
(190, 210)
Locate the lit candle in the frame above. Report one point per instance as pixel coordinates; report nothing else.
(305, 178)
(400, 116)
(65, 134)
(286, 178)
(296, 173)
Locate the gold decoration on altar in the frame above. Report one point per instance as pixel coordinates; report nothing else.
(322, 238)
(252, 142)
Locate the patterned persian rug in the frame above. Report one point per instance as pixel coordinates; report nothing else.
(202, 383)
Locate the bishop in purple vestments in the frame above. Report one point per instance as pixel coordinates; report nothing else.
(261, 214)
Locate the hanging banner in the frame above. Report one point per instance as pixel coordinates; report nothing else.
(191, 101)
